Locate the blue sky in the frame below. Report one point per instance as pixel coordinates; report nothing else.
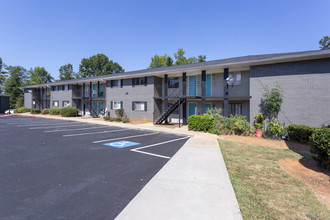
(53, 33)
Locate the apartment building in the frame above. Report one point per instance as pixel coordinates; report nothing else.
(174, 93)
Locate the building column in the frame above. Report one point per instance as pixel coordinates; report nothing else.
(165, 103)
(98, 89)
(203, 91)
(90, 98)
(83, 93)
(226, 111)
(184, 94)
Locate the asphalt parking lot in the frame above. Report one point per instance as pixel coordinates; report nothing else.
(55, 169)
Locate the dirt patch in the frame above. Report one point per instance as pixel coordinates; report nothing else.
(307, 171)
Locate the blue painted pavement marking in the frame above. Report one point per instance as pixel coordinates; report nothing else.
(121, 144)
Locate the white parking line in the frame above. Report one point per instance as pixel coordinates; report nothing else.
(98, 132)
(152, 145)
(41, 124)
(77, 129)
(57, 126)
(127, 137)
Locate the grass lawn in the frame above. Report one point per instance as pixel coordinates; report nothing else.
(263, 189)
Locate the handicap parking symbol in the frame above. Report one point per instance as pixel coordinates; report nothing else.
(121, 144)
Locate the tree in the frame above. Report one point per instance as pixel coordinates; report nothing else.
(158, 61)
(324, 43)
(181, 59)
(169, 61)
(66, 72)
(201, 58)
(39, 75)
(272, 101)
(17, 77)
(2, 75)
(97, 65)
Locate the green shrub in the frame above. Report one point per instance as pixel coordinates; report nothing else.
(238, 124)
(54, 111)
(118, 119)
(69, 111)
(300, 133)
(106, 118)
(259, 118)
(200, 123)
(275, 128)
(125, 120)
(120, 113)
(320, 145)
(21, 110)
(45, 111)
(35, 111)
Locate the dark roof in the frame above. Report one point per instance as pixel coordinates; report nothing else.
(229, 62)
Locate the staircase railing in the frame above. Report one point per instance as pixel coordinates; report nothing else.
(87, 101)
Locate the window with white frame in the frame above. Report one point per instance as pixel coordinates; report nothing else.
(236, 109)
(140, 81)
(237, 78)
(116, 105)
(66, 103)
(55, 104)
(116, 83)
(173, 83)
(139, 106)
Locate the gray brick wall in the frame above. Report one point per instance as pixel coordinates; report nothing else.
(128, 94)
(28, 98)
(306, 90)
(61, 96)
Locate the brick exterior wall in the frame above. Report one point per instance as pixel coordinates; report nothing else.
(306, 90)
(128, 94)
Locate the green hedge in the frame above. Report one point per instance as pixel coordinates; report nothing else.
(21, 110)
(69, 111)
(35, 111)
(45, 111)
(200, 123)
(320, 145)
(54, 111)
(301, 133)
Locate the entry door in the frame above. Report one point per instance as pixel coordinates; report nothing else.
(99, 107)
(208, 85)
(94, 90)
(208, 106)
(192, 108)
(192, 85)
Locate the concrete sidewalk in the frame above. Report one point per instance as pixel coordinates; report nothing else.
(194, 184)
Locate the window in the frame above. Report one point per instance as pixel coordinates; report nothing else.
(236, 109)
(55, 104)
(237, 78)
(66, 103)
(139, 106)
(66, 87)
(117, 105)
(140, 81)
(86, 88)
(116, 83)
(173, 83)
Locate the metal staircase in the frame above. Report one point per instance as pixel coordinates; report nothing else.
(171, 108)
(88, 104)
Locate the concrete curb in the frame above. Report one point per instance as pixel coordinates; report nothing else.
(194, 184)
